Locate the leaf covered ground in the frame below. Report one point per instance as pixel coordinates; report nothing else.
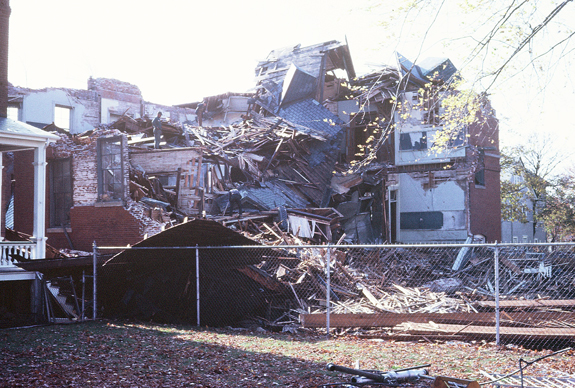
(120, 354)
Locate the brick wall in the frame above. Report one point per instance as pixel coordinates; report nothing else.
(107, 226)
(115, 90)
(4, 24)
(84, 164)
(485, 203)
(105, 223)
(485, 131)
(91, 220)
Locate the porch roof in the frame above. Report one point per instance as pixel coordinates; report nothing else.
(16, 135)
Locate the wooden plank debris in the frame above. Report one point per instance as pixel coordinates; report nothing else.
(529, 303)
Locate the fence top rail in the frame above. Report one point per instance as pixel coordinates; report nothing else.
(347, 246)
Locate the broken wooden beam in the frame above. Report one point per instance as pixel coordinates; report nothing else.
(534, 333)
(393, 319)
(529, 303)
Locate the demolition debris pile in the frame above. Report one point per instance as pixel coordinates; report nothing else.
(274, 161)
(415, 291)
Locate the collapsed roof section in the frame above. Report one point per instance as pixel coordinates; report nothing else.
(296, 73)
(297, 85)
(376, 86)
(315, 59)
(275, 162)
(388, 82)
(280, 146)
(429, 70)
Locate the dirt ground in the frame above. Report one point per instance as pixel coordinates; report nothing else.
(123, 354)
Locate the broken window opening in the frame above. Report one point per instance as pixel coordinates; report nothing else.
(168, 181)
(362, 128)
(13, 113)
(117, 116)
(431, 117)
(110, 169)
(413, 141)
(480, 173)
(458, 140)
(480, 178)
(60, 175)
(62, 117)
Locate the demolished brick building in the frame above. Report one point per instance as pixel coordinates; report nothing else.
(314, 150)
(286, 147)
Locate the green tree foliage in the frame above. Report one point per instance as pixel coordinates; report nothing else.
(532, 188)
(558, 215)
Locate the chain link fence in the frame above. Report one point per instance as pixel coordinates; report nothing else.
(507, 293)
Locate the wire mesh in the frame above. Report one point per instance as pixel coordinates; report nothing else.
(508, 293)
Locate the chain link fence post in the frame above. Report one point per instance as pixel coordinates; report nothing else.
(197, 286)
(497, 283)
(328, 289)
(94, 278)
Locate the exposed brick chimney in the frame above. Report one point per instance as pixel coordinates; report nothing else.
(4, 19)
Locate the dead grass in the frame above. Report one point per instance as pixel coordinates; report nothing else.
(116, 354)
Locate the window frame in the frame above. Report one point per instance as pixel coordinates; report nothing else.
(104, 157)
(59, 208)
(56, 116)
(10, 112)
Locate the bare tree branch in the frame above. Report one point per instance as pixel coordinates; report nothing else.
(528, 39)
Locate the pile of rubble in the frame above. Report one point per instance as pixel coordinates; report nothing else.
(416, 292)
(272, 161)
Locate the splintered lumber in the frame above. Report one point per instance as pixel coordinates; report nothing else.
(530, 381)
(272, 231)
(532, 303)
(390, 319)
(510, 265)
(262, 278)
(370, 296)
(484, 331)
(533, 319)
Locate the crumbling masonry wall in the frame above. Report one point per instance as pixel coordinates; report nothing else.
(91, 220)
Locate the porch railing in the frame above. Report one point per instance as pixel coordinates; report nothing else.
(12, 251)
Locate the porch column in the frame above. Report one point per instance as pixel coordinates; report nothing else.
(2, 212)
(39, 234)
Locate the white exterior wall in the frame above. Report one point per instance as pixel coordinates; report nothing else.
(515, 230)
(39, 107)
(523, 232)
(409, 120)
(448, 197)
(111, 107)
